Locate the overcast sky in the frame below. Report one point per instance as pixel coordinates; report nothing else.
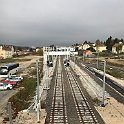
(62, 22)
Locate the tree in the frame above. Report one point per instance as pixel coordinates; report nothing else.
(98, 42)
(40, 52)
(122, 41)
(116, 40)
(85, 42)
(91, 49)
(109, 44)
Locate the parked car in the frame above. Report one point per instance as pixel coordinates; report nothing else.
(5, 86)
(16, 79)
(9, 82)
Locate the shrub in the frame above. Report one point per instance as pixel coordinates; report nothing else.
(20, 100)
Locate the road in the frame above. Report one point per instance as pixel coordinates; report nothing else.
(4, 96)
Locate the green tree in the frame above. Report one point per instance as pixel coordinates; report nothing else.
(109, 44)
(91, 49)
(122, 41)
(98, 42)
(40, 52)
(116, 40)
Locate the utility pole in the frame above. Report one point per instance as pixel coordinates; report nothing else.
(74, 61)
(97, 59)
(83, 56)
(103, 99)
(46, 77)
(38, 99)
(37, 65)
(10, 112)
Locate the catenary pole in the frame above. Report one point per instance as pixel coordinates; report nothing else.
(97, 59)
(103, 100)
(38, 99)
(10, 112)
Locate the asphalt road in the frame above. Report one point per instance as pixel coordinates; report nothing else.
(4, 96)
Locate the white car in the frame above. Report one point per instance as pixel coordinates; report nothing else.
(17, 77)
(14, 78)
(5, 86)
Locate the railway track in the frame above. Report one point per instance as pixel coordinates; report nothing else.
(66, 103)
(58, 110)
(109, 81)
(112, 88)
(85, 113)
(89, 82)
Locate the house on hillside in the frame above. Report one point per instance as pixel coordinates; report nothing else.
(85, 45)
(6, 51)
(87, 53)
(118, 48)
(123, 48)
(114, 48)
(80, 47)
(100, 48)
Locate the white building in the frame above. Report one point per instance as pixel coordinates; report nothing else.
(6, 51)
(85, 46)
(100, 48)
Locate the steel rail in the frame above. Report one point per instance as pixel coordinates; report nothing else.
(84, 111)
(58, 111)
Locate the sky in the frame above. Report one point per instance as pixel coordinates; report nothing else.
(60, 22)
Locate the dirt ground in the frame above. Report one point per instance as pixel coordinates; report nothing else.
(24, 117)
(116, 61)
(113, 112)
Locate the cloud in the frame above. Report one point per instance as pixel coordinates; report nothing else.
(60, 20)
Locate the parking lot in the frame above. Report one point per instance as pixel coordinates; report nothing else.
(6, 94)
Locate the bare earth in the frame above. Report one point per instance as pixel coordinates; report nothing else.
(113, 113)
(118, 61)
(30, 118)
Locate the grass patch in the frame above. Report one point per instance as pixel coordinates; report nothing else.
(21, 100)
(114, 72)
(116, 64)
(96, 101)
(10, 60)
